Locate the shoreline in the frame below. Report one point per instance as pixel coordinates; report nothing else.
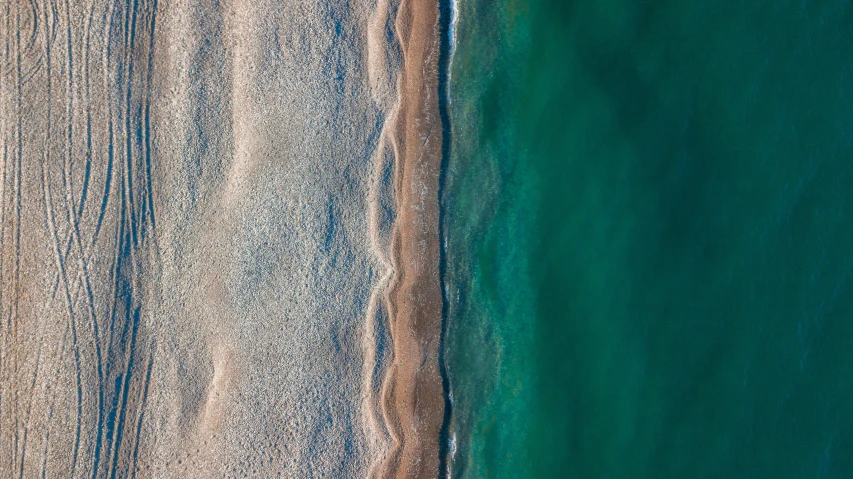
(413, 393)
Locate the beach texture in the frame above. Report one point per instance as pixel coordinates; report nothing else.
(219, 237)
(426, 239)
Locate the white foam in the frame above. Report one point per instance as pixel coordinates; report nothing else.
(451, 37)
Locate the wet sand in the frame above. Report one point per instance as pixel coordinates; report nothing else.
(413, 393)
(218, 226)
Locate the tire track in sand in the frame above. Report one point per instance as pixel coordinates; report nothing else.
(55, 408)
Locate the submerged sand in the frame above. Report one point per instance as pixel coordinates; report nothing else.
(219, 238)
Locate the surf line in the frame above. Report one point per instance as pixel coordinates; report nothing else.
(448, 20)
(414, 395)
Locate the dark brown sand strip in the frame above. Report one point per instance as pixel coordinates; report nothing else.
(413, 394)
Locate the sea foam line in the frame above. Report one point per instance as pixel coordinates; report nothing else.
(451, 42)
(448, 436)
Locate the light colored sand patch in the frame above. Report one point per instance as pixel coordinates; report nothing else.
(196, 202)
(239, 23)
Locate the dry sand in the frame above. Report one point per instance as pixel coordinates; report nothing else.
(219, 238)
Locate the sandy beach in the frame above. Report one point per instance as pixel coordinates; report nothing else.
(219, 239)
(413, 395)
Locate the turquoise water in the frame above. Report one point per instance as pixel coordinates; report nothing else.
(650, 246)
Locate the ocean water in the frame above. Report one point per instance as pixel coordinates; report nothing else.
(649, 240)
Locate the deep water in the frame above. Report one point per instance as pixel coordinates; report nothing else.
(649, 217)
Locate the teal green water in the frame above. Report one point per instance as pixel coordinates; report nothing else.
(649, 216)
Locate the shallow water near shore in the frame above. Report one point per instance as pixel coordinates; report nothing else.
(649, 244)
